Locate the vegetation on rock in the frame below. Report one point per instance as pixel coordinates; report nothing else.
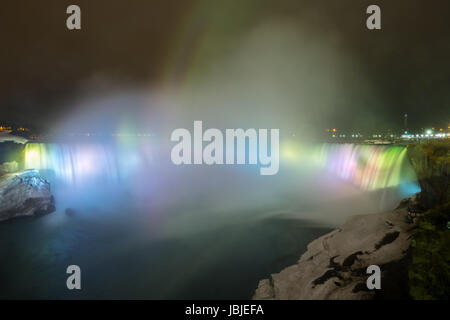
(429, 272)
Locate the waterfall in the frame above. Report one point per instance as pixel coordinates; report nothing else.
(368, 167)
(76, 164)
(128, 170)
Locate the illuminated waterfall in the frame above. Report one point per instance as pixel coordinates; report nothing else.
(80, 163)
(368, 167)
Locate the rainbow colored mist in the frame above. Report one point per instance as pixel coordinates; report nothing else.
(368, 167)
(365, 166)
(80, 163)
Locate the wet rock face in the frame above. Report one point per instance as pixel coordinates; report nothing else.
(431, 162)
(24, 193)
(334, 266)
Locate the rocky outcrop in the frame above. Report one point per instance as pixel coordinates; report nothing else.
(431, 162)
(24, 193)
(334, 266)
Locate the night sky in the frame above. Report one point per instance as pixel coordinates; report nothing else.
(44, 65)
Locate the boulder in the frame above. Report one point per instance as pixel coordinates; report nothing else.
(24, 193)
(70, 212)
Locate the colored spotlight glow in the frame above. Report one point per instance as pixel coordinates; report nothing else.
(290, 151)
(369, 167)
(85, 162)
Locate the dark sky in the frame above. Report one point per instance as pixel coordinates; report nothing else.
(43, 64)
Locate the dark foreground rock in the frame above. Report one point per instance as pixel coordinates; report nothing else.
(334, 266)
(431, 162)
(24, 193)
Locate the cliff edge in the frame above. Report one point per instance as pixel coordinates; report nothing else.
(334, 265)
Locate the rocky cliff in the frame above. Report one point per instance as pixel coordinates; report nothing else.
(24, 193)
(334, 266)
(431, 162)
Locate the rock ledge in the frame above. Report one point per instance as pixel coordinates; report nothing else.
(334, 265)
